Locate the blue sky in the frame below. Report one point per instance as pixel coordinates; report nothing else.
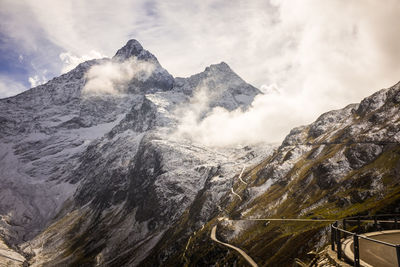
(12, 64)
(19, 64)
(320, 54)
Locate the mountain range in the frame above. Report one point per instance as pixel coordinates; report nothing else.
(95, 173)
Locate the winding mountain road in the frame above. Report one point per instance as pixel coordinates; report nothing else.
(245, 256)
(240, 176)
(374, 254)
(236, 194)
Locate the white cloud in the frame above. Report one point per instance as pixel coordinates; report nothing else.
(112, 77)
(70, 61)
(10, 87)
(270, 89)
(37, 80)
(261, 122)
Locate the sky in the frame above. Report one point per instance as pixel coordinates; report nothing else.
(315, 55)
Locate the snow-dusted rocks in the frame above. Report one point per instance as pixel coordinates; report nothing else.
(158, 78)
(98, 176)
(226, 88)
(342, 150)
(134, 49)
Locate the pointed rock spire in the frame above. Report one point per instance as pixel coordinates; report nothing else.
(134, 49)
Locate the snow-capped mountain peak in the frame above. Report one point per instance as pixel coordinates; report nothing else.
(222, 67)
(134, 49)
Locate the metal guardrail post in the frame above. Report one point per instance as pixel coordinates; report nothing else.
(398, 255)
(356, 251)
(337, 242)
(338, 245)
(333, 230)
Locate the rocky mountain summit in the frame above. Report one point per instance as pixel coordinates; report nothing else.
(95, 177)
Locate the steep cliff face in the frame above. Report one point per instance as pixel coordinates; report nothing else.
(45, 130)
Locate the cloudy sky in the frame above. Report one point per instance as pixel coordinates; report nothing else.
(318, 54)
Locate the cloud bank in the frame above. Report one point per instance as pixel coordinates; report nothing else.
(260, 123)
(321, 55)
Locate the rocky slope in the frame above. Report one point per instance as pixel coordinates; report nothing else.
(345, 163)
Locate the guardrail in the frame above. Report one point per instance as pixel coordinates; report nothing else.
(336, 233)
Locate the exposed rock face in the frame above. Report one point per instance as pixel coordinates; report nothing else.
(226, 88)
(159, 79)
(134, 49)
(359, 155)
(43, 132)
